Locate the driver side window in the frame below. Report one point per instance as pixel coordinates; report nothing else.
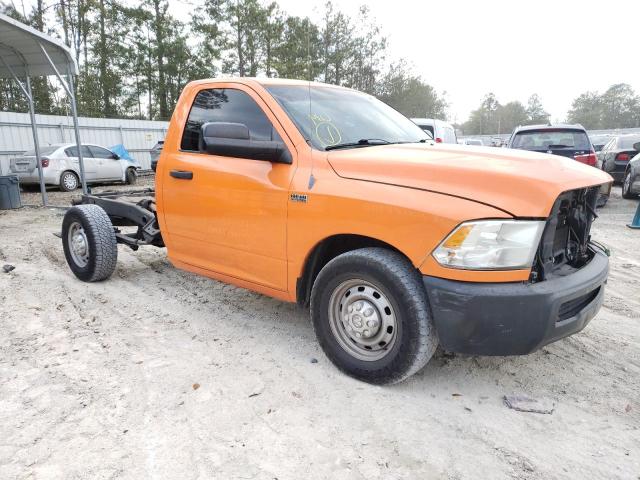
(225, 105)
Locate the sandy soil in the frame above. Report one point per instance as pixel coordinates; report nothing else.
(162, 374)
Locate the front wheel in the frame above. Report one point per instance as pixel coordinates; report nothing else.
(89, 243)
(371, 315)
(626, 186)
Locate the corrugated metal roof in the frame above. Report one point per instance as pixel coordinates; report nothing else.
(20, 49)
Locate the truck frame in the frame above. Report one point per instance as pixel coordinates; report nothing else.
(135, 208)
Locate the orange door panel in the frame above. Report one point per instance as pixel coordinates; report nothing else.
(230, 217)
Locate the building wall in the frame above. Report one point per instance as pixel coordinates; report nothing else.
(138, 136)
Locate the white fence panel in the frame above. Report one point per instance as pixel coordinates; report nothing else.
(138, 136)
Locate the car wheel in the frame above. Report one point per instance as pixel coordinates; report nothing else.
(89, 243)
(68, 181)
(131, 176)
(371, 316)
(626, 186)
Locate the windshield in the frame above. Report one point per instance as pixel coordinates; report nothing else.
(328, 116)
(551, 140)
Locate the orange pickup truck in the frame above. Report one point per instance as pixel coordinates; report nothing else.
(325, 196)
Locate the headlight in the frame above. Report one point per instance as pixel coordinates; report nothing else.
(491, 245)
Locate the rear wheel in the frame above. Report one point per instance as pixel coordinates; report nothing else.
(371, 315)
(626, 186)
(89, 243)
(131, 176)
(68, 181)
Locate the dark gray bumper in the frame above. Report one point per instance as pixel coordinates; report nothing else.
(515, 318)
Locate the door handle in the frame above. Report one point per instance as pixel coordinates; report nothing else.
(181, 174)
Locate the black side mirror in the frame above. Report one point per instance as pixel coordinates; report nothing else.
(233, 140)
(116, 156)
(636, 146)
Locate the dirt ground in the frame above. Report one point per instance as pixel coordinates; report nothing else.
(161, 374)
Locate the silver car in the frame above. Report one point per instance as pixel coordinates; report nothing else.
(61, 166)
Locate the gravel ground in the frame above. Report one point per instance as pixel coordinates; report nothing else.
(162, 374)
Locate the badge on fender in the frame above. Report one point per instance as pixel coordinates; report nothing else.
(299, 197)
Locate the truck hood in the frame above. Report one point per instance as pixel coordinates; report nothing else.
(521, 183)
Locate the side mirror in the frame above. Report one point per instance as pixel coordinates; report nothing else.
(116, 156)
(636, 146)
(233, 140)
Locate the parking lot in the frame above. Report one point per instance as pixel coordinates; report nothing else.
(157, 373)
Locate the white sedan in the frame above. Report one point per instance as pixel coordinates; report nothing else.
(61, 166)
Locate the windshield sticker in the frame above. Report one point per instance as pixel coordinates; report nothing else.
(325, 131)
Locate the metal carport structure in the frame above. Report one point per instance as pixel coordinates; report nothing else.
(26, 52)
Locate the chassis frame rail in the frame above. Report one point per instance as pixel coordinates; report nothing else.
(125, 209)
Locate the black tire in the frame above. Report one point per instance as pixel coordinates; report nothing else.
(397, 281)
(98, 261)
(626, 192)
(69, 181)
(131, 177)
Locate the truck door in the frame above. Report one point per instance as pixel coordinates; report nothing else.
(228, 214)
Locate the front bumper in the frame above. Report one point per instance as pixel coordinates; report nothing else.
(515, 318)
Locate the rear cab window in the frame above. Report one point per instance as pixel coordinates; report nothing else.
(225, 105)
(427, 128)
(551, 139)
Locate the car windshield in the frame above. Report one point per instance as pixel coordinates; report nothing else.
(43, 151)
(551, 140)
(329, 117)
(626, 142)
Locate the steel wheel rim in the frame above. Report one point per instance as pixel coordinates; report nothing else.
(69, 181)
(78, 244)
(362, 320)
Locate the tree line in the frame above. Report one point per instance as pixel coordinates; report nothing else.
(491, 117)
(135, 57)
(617, 107)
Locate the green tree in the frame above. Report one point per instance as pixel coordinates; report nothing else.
(337, 45)
(368, 53)
(586, 110)
(511, 115)
(535, 111)
(620, 107)
(298, 54)
(409, 94)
